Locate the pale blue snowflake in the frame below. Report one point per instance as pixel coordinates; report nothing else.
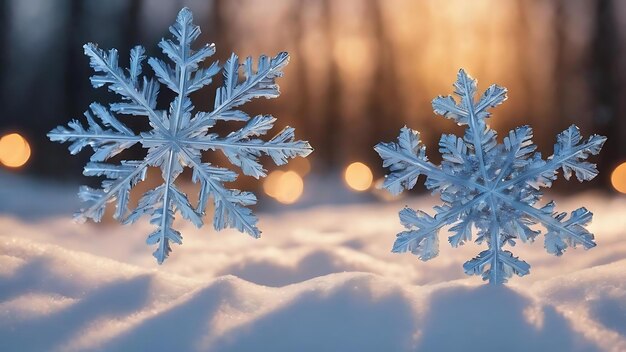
(178, 136)
(487, 188)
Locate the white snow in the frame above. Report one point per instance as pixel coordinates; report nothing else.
(319, 279)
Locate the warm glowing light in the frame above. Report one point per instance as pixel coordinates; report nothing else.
(358, 176)
(14, 150)
(285, 187)
(272, 183)
(618, 178)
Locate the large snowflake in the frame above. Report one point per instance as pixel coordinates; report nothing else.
(178, 136)
(487, 188)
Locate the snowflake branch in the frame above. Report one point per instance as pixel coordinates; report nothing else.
(230, 97)
(100, 63)
(163, 233)
(548, 221)
(246, 222)
(105, 142)
(592, 146)
(94, 210)
(185, 32)
(182, 89)
(427, 226)
(519, 145)
(502, 264)
(469, 86)
(245, 153)
(422, 168)
(57, 135)
(494, 244)
(266, 147)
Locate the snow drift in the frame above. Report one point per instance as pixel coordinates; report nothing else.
(320, 279)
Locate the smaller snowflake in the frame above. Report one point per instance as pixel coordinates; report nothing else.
(178, 136)
(488, 190)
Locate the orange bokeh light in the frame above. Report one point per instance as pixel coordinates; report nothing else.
(358, 176)
(14, 150)
(285, 187)
(618, 178)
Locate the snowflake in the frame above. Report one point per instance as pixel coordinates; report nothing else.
(177, 137)
(488, 186)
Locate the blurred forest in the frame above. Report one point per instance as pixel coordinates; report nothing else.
(359, 71)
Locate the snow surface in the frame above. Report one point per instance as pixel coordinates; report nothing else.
(319, 279)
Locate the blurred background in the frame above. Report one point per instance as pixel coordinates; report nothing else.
(359, 71)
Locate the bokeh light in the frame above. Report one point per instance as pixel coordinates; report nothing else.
(272, 183)
(285, 187)
(618, 178)
(14, 150)
(358, 176)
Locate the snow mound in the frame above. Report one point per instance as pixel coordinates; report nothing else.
(320, 279)
(56, 299)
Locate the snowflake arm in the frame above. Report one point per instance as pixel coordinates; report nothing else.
(234, 93)
(240, 149)
(244, 151)
(138, 99)
(106, 143)
(496, 266)
(407, 160)
(567, 233)
(422, 229)
(568, 155)
(488, 187)
(519, 146)
(117, 185)
(161, 204)
(186, 77)
(178, 135)
(478, 134)
(421, 237)
(230, 204)
(255, 85)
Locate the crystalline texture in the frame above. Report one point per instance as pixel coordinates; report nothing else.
(178, 136)
(489, 190)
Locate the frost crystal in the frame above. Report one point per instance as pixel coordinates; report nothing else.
(178, 136)
(489, 187)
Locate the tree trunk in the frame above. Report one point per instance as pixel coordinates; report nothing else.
(606, 86)
(329, 150)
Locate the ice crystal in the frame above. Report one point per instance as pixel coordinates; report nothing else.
(178, 136)
(488, 190)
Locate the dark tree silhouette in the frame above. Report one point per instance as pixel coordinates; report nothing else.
(302, 98)
(4, 46)
(329, 149)
(605, 79)
(383, 105)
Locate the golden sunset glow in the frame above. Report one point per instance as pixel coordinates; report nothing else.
(358, 176)
(14, 150)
